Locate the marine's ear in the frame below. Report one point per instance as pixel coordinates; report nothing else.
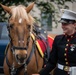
(29, 8)
(6, 8)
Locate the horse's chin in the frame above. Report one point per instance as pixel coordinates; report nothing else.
(20, 62)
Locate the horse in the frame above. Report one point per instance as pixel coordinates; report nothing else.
(19, 26)
(22, 55)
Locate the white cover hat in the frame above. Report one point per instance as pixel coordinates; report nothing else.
(68, 14)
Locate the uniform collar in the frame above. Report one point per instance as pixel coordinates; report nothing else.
(70, 36)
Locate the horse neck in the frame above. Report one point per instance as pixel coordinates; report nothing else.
(36, 60)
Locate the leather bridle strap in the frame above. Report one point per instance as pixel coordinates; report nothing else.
(31, 53)
(19, 48)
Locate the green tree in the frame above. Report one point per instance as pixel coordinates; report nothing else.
(45, 7)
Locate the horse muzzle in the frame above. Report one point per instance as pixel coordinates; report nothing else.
(21, 59)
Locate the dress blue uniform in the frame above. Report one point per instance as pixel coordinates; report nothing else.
(63, 54)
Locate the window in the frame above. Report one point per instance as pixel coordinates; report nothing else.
(46, 20)
(3, 32)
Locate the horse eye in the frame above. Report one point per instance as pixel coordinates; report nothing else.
(28, 26)
(11, 25)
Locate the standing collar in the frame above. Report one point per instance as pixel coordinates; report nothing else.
(70, 36)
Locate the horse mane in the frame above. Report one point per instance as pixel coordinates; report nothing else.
(20, 12)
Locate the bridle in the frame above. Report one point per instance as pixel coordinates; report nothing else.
(13, 48)
(15, 44)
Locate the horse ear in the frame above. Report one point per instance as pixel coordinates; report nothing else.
(29, 8)
(7, 9)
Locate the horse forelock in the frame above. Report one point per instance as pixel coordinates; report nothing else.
(19, 12)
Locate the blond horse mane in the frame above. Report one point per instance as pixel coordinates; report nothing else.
(20, 12)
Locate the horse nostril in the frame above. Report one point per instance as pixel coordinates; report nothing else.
(20, 57)
(17, 56)
(25, 56)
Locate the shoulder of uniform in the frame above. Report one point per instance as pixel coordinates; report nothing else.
(59, 36)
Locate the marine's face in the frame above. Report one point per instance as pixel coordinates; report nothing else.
(68, 28)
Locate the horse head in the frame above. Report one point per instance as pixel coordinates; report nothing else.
(19, 26)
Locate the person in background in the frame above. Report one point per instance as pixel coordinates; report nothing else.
(63, 54)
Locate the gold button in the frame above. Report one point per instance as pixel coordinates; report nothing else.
(64, 54)
(71, 36)
(66, 44)
(65, 49)
(68, 40)
(66, 63)
(65, 59)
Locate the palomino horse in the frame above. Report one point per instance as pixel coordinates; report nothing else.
(19, 49)
(22, 55)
